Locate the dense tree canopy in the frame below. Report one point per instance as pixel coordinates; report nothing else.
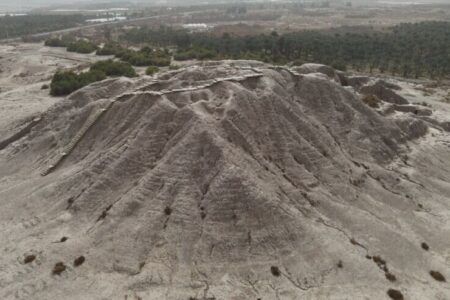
(81, 46)
(409, 50)
(56, 42)
(145, 57)
(14, 26)
(109, 49)
(114, 68)
(64, 83)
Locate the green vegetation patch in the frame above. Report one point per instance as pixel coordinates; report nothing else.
(81, 46)
(145, 57)
(64, 83)
(114, 68)
(109, 49)
(15, 26)
(408, 50)
(56, 42)
(151, 70)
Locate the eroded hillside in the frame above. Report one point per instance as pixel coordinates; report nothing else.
(232, 180)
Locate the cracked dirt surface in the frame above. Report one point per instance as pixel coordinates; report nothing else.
(197, 184)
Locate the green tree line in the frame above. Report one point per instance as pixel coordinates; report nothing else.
(15, 26)
(409, 50)
(66, 82)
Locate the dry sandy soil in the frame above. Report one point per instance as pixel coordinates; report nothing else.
(230, 180)
(24, 69)
(295, 19)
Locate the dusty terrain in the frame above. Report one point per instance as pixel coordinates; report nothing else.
(24, 69)
(289, 17)
(231, 180)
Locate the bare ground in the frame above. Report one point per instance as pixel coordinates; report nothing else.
(235, 180)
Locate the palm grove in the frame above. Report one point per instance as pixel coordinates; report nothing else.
(408, 50)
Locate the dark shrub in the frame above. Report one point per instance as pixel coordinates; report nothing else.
(145, 57)
(59, 268)
(81, 46)
(391, 277)
(425, 246)
(372, 101)
(109, 49)
(29, 259)
(275, 271)
(79, 261)
(395, 294)
(438, 276)
(56, 42)
(114, 68)
(378, 260)
(64, 83)
(151, 70)
(168, 211)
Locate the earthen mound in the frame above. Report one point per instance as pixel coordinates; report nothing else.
(202, 183)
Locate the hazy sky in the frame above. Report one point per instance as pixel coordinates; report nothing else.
(27, 4)
(16, 5)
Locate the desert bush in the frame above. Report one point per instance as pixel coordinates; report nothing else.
(109, 49)
(378, 260)
(64, 83)
(79, 261)
(114, 68)
(275, 271)
(81, 46)
(29, 259)
(59, 268)
(195, 53)
(425, 246)
(151, 70)
(391, 277)
(168, 211)
(395, 294)
(438, 276)
(174, 67)
(371, 100)
(145, 57)
(56, 42)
